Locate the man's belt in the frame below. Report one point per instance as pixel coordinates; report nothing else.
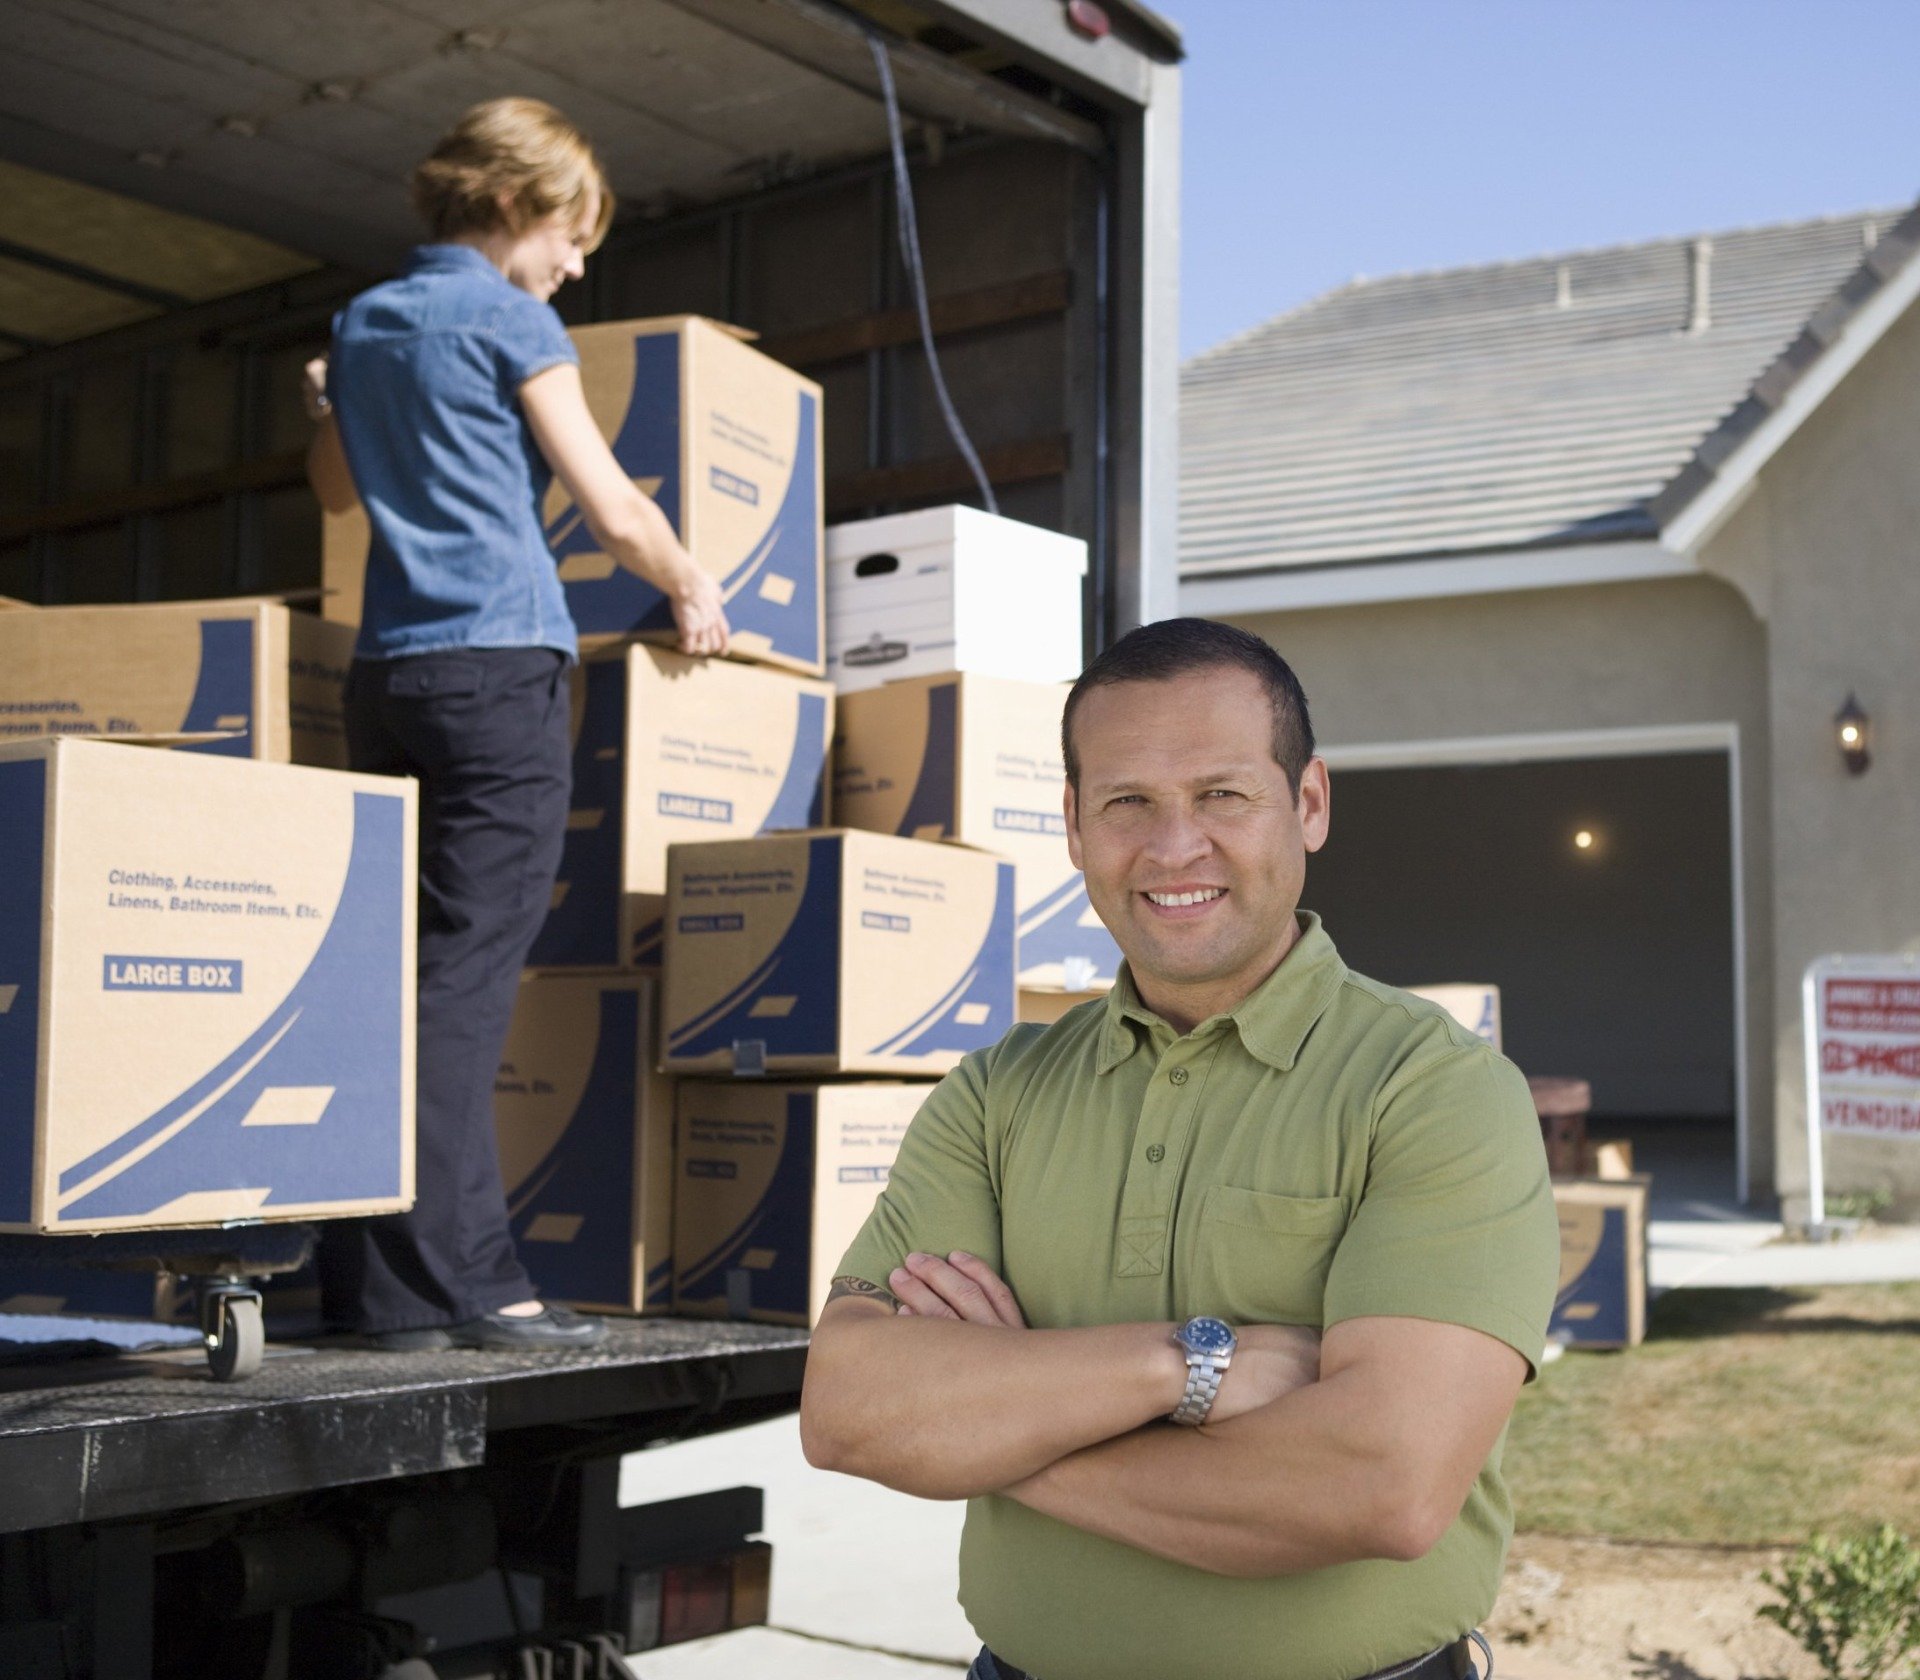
(1450, 1662)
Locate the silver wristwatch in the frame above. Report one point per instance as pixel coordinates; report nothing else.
(1208, 1344)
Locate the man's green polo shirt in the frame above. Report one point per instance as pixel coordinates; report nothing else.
(1331, 1149)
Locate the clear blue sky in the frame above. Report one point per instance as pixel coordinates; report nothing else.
(1329, 138)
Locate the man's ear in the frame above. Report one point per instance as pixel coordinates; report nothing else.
(1072, 808)
(1315, 804)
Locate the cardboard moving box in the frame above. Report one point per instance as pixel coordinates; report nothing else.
(977, 759)
(952, 589)
(206, 989)
(262, 680)
(585, 1127)
(1475, 1006)
(835, 952)
(727, 442)
(1602, 1298)
(671, 748)
(772, 1184)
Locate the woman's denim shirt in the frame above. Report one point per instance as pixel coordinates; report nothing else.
(425, 378)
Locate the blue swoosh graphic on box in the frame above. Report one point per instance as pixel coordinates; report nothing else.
(1051, 932)
(801, 801)
(779, 1222)
(339, 1026)
(224, 686)
(987, 979)
(808, 949)
(931, 805)
(23, 840)
(589, 1173)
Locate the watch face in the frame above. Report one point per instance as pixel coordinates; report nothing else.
(1206, 1335)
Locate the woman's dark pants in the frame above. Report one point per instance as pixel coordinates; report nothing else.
(486, 732)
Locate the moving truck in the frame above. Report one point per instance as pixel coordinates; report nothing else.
(187, 204)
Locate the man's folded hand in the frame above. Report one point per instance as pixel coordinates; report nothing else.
(1269, 1361)
(961, 1286)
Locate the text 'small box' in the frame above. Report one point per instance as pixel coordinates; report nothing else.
(727, 442)
(1602, 1298)
(585, 1126)
(670, 748)
(256, 678)
(836, 952)
(206, 989)
(772, 1183)
(977, 759)
(952, 589)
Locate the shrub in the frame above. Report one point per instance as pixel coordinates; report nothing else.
(1853, 1603)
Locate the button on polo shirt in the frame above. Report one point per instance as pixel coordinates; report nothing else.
(1331, 1149)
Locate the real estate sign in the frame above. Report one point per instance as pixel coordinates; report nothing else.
(1861, 1020)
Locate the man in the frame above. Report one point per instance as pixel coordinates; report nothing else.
(1242, 1131)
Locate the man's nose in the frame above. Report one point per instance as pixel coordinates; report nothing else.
(576, 268)
(1178, 837)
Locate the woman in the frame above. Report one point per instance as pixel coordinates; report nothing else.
(451, 398)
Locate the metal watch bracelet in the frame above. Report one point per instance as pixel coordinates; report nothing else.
(1203, 1387)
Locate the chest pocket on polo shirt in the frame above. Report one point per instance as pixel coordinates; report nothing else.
(1262, 1258)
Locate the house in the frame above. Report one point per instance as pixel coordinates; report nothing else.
(1579, 559)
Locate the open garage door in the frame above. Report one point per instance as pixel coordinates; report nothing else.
(1597, 893)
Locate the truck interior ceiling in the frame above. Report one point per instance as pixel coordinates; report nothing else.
(187, 194)
(1597, 894)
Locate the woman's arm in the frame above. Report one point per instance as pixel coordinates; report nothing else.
(627, 524)
(327, 469)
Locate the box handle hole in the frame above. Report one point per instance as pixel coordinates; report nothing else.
(876, 565)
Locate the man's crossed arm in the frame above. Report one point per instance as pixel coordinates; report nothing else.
(1366, 1446)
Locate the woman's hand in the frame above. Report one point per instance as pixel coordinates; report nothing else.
(700, 613)
(313, 390)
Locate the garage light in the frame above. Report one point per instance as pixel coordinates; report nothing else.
(1853, 732)
(1583, 840)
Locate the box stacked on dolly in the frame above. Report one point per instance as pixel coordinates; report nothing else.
(239, 679)
(206, 989)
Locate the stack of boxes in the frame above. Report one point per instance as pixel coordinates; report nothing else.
(206, 953)
(735, 1008)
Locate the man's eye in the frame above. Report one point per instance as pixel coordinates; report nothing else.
(1224, 793)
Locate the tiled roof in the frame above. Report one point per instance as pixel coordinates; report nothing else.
(1520, 405)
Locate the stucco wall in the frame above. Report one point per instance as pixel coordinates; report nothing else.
(1618, 656)
(1829, 547)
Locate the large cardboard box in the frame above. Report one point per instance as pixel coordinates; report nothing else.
(255, 678)
(206, 989)
(585, 1126)
(835, 952)
(671, 748)
(952, 589)
(727, 442)
(1602, 1298)
(772, 1184)
(977, 759)
(1474, 1004)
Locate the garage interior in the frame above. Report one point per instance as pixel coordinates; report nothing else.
(1597, 894)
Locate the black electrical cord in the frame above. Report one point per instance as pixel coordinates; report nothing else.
(910, 256)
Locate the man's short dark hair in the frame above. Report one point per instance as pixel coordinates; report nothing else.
(1176, 646)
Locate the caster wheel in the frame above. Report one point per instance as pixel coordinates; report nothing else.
(235, 1349)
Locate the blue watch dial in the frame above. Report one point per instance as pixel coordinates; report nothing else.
(1206, 1335)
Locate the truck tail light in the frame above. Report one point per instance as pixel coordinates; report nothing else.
(692, 1600)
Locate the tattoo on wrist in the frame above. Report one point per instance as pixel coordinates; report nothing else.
(845, 1286)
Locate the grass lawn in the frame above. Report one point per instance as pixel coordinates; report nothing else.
(1748, 1416)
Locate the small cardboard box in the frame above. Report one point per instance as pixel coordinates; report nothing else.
(585, 1126)
(671, 748)
(255, 677)
(977, 759)
(952, 589)
(835, 952)
(772, 1184)
(727, 442)
(206, 989)
(1475, 1006)
(1602, 1298)
(1044, 1008)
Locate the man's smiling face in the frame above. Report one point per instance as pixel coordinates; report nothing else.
(1193, 844)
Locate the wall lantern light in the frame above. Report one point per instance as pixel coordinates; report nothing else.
(1853, 733)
